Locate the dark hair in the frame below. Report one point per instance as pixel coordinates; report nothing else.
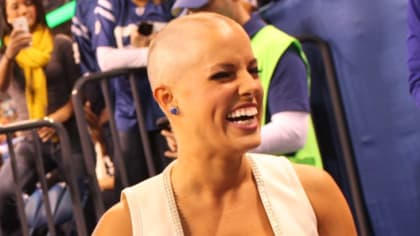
(40, 16)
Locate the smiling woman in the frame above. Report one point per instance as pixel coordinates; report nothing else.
(203, 65)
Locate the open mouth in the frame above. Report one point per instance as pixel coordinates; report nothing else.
(243, 115)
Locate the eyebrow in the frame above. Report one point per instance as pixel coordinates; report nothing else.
(233, 66)
(253, 62)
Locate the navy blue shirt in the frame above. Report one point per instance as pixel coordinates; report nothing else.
(82, 28)
(413, 46)
(288, 90)
(115, 19)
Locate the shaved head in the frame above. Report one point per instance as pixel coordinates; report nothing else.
(203, 66)
(180, 44)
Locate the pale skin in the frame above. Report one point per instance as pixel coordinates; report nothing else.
(18, 41)
(211, 174)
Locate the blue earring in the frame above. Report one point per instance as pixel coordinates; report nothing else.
(174, 110)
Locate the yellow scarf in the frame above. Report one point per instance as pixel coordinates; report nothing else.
(33, 60)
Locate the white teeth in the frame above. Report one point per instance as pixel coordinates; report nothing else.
(248, 111)
(244, 122)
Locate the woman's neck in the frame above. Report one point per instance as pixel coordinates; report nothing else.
(211, 174)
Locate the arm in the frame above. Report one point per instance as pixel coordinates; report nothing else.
(18, 40)
(332, 212)
(115, 221)
(61, 115)
(112, 58)
(71, 72)
(111, 52)
(288, 107)
(6, 67)
(285, 133)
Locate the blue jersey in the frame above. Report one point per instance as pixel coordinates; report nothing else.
(82, 28)
(115, 21)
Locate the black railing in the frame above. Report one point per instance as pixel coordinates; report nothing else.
(342, 133)
(78, 102)
(67, 164)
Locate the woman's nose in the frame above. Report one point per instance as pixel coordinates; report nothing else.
(250, 85)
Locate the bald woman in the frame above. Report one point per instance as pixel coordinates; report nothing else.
(205, 78)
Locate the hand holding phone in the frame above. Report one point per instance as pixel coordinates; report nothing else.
(20, 37)
(21, 23)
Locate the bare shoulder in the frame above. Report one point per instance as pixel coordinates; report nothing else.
(314, 179)
(331, 209)
(115, 221)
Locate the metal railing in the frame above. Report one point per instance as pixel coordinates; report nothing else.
(68, 166)
(103, 79)
(342, 131)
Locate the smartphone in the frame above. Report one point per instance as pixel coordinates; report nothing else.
(21, 23)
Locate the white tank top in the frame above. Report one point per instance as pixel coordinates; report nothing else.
(153, 210)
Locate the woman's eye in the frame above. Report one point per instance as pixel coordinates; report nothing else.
(254, 71)
(14, 6)
(222, 75)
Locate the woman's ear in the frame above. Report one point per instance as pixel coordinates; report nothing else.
(164, 97)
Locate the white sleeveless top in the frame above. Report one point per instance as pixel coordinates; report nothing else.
(153, 210)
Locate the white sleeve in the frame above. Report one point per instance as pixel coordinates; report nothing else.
(285, 133)
(112, 58)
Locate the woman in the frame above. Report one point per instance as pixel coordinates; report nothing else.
(204, 76)
(38, 71)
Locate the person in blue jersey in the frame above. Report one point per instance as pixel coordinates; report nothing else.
(287, 102)
(121, 43)
(205, 77)
(413, 46)
(96, 114)
(85, 55)
(82, 29)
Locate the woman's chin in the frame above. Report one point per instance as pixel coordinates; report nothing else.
(251, 144)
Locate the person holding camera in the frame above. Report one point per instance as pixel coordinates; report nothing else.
(123, 30)
(38, 71)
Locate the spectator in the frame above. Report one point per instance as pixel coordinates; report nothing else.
(205, 77)
(119, 44)
(96, 114)
(38, 71)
